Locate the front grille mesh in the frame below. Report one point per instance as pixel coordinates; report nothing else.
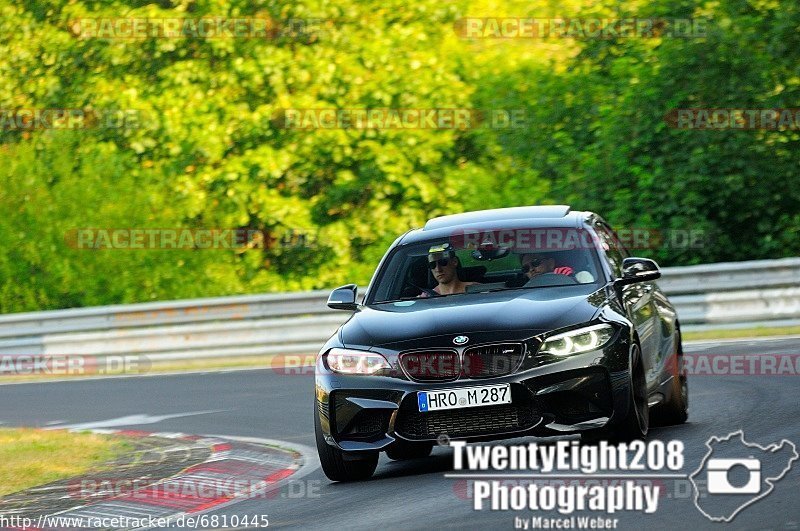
(431, 366)
(464, 422)
(480, 361)
(485, 361)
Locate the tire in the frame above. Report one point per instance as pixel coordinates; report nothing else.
(636, 422)
(343, 466)
(402, 450)
(676, 410)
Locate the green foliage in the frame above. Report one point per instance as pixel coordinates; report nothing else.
(210, 153)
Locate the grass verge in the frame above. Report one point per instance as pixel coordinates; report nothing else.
(32, 457)
(761, 331)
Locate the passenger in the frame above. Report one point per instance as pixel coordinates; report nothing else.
(538, 264)
(443, 262)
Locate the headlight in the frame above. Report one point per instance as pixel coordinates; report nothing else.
(577, 341)
(346, 361)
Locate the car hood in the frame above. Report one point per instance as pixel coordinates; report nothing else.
(515, 314)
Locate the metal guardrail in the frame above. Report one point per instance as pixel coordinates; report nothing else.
(764, 292)
(735, 294)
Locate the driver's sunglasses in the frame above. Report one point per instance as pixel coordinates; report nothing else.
(442, 262)
(533, 264)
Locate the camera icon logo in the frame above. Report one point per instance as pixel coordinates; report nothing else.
(720, 483)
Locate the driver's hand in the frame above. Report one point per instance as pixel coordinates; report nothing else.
(565, 270)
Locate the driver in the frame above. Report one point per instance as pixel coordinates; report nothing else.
(534, 264)
(443, 263)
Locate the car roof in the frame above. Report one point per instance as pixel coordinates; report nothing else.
(499, 218)
(498, 214)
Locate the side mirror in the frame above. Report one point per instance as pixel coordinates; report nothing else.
(635, 270)
(343, 298)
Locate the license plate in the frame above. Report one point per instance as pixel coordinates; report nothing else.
(486, 395)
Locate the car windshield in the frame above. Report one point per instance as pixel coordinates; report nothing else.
(434, 269)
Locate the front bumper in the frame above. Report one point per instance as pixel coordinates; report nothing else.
(582, 392)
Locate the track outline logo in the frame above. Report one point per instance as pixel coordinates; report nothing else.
(769, 480)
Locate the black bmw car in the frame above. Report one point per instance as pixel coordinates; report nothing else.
(498, 324)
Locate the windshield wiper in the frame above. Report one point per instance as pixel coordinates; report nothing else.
(497, 289)
(437, 296)
(523, 287)
(393, 300)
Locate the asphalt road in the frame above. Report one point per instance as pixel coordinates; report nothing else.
(414, 494)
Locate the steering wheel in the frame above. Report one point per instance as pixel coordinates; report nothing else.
(550, 279)
(429, 292)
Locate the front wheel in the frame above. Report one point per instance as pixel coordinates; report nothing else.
(636, 422)
(343, 466)
(676, 409)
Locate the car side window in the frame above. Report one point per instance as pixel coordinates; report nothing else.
(612, 249)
